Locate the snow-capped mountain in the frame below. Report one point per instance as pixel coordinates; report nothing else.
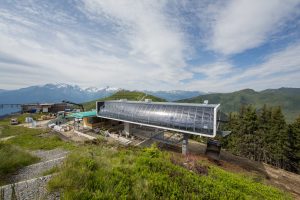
(107, 89)
(175, 95)
(92, 89)
(54, 93)
(58, 92)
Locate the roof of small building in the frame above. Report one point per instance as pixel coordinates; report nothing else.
(80, 115)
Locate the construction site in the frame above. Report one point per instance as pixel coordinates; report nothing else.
(140, 124)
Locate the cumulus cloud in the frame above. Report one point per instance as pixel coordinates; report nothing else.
(215, 70)
(279, 69)
(146, 51)
(151, 36)
(244, 24)
(153, 45)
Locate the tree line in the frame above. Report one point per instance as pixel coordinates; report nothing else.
(263, 135)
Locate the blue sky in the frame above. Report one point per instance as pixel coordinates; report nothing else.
(212, 46)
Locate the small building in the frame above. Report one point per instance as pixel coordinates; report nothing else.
(56, 107)
(89, 118)
(30, 108)
(45, 107)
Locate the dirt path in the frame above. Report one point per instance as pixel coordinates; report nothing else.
(7, 138)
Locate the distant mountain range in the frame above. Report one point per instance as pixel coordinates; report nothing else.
(59, 92)
(54, 93)
(174, 95)
(287, 98)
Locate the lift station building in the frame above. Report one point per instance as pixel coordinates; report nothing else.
(183, 118)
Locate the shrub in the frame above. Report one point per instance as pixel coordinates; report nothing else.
(95, 172)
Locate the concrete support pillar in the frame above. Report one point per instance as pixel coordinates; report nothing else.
(159, 134)
(127, 130)
(185, 144)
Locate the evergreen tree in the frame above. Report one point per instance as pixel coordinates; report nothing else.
(243, 127)
(264, 136)
(248, 128)
(293, 152)
(264, 125)
(278, 138)
(230, 141)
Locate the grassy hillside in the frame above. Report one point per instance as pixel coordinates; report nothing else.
(287, 98)
(15, 152)
(103, 172)
(124, 94)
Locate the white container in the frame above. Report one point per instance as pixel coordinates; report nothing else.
(28, 120)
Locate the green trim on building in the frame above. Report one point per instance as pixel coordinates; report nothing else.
(80, 115)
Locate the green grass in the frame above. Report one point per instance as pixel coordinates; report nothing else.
(99, 172)
(35, 116)
(33, 139)
(20, 117)
(124, 94)
(7, 130)
(14, 152)
(13, 158)
(29, 138)
(51, 171)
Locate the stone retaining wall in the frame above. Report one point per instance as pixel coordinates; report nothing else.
(28, 190)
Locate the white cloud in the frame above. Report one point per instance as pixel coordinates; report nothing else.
(145, 52)
(215, 70)
(285, 61)
(142, 44)
(150, 34)
(245, 24)
(280, 69)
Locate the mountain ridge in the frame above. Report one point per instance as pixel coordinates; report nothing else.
(53, 93)
(287, 98)
(174, 95)
(124, 94)
(61, 91)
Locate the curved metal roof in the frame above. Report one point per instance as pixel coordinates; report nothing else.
(198, 119)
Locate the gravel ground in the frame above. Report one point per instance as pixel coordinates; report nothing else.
(50, 155)
(29, 182)
(49, 159)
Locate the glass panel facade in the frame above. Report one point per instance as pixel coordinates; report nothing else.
(198, 119)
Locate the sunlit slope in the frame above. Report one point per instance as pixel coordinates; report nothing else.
(287, 98)
(100, 172)
(124, 94)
